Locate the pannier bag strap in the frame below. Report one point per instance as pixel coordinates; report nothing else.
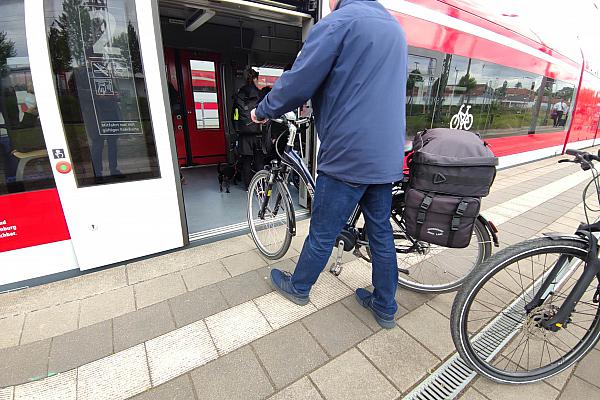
(423, 208)
(423, 212)
(460, 211)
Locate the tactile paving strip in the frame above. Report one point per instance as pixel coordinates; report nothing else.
(179, 351)
(115, 377)
(62, 386)
(356, 274)
(6, 393)
(237, 326)
(279, 311)
(328, 290)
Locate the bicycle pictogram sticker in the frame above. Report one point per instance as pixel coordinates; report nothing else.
(462, 120)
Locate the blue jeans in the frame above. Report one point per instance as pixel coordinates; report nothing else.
(332, 206)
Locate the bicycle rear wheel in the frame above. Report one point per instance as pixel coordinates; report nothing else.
(494, 333)
(436, 269)
(270, 232)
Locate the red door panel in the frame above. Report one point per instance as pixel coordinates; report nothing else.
(204, 111)
(177, 108)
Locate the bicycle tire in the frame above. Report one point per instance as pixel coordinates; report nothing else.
(278, 250)
(484, 251)
(488, 270)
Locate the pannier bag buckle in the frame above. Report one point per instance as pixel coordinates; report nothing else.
(423, 209)
(460, 211)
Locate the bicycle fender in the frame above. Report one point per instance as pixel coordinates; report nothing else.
(291, 217)
(559, 236)
(491, 229)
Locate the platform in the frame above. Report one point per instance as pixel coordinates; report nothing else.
(204, 322)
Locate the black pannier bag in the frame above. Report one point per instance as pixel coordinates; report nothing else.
(450, 170)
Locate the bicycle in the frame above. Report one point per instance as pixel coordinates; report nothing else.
(532, 309)
(423, 267)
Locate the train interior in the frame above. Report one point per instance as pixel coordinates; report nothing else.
(209, 49)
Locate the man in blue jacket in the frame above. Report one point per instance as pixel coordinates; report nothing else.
(353, 67)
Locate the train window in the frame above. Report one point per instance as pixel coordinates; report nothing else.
(206, 100)
(267, 76)
(496, 101)
(101, 90)
(24, 163)
(420, 92)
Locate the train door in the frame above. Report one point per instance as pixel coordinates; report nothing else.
(203, 103)
(107, 128)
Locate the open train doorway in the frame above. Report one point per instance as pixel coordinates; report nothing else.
(210, 50)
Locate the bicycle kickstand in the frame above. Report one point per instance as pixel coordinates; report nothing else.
(336, 268)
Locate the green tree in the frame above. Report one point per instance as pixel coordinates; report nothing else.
(130, 47)
(7, 50)
(518, 85)
(468, 82)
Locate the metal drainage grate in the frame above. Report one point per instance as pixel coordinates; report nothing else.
(454, 375)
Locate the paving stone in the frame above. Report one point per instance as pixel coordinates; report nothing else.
(115, 377)
(588, 368)
(328, 290)
(363, 314)
(195, 305)
(442, 303)
(351, 376)
(401, 358)
(158, 289)
(58, 387)
(105, 306)
(430, 328)
(180, 388)
(24, 363)
(142, 325)
(238, 375)
(154, 267)
(532, 391)
(279, 311)
(286, 257)
(50, 322)
(179, 351)
(289, 353)
(579, 389)
(300, 390)
(472, 394)
(514, 229)
(240, 263)
(7, 393)
(559, 381)
(336, 328)
(410, 299)
(204, 275)
(79, 347)
(11, 328)
(242, 288)
(529, 222)
(284, 265)
(237, 326)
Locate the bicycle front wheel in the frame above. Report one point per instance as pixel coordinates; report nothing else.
(270, 231)
(436, 269)
(495, 334)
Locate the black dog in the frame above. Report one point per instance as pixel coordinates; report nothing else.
(227, 174)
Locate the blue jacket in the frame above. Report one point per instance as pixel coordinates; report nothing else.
(353, 66)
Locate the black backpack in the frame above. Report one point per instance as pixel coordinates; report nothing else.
(450, 171)
(243, 103)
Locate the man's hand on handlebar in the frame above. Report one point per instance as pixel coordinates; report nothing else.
(255, 119)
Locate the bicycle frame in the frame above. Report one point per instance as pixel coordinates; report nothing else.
(591, 271)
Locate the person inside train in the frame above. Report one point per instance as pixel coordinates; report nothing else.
(558, 110)
(251, 146)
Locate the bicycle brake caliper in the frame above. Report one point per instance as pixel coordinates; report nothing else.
(336, 268)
